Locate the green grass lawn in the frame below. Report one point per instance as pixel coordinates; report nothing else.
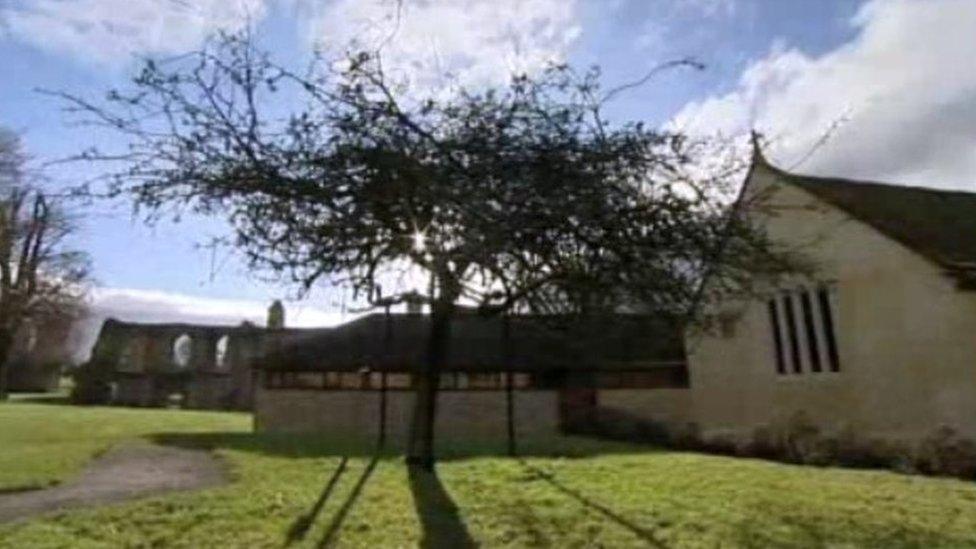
(42, 442)
(310, 491)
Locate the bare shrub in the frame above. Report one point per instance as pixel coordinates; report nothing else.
(853, 450)
(945, 453)
(764, 444)
(803, 442)
(686, 437)
(720, 443)
(800, 440)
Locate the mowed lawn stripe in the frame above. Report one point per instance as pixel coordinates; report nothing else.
(567, 492)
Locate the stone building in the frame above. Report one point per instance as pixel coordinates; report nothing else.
(357, 379)
(196, 366)
(878, 343)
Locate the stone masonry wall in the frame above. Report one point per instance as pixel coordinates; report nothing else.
(461, 414)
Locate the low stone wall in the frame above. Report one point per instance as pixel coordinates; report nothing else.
(461, 414)
(203, 392)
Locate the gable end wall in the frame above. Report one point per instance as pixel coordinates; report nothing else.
(906, 338)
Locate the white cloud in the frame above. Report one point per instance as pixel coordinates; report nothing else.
(672, 27)
(109, 32)
(903, 89)
(478, 42)
(708, 8)
(154, 306)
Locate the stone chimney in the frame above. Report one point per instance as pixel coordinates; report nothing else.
(276, 315)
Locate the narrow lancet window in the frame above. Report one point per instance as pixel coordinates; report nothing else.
(792, 333)
(777, 336)
(827, 316)
(813, 346)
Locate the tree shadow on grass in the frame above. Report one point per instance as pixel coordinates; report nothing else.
(302, 524)
(330, 533)
(439, 515)
(638, 530)
(322, 445)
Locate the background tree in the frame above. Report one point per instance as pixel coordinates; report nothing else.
(39, 276)
(523, 198)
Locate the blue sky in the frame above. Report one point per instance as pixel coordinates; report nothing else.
(890, 74)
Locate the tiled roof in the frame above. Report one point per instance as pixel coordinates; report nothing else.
(937, 224)
(398, 342)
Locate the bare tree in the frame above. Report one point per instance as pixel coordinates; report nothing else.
(523, 198)
(39, 276)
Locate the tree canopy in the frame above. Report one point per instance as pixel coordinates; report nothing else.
(515, 199)
(40, 275)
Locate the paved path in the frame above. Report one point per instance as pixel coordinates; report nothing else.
(123, 473)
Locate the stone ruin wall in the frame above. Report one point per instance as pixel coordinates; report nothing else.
(141, 363)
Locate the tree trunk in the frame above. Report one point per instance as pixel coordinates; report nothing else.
(421, 444)
(6, 340)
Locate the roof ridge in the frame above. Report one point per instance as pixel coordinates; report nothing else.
(934, 223)
(863, 182)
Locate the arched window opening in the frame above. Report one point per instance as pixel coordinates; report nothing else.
(182, 351)
(220, 353)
